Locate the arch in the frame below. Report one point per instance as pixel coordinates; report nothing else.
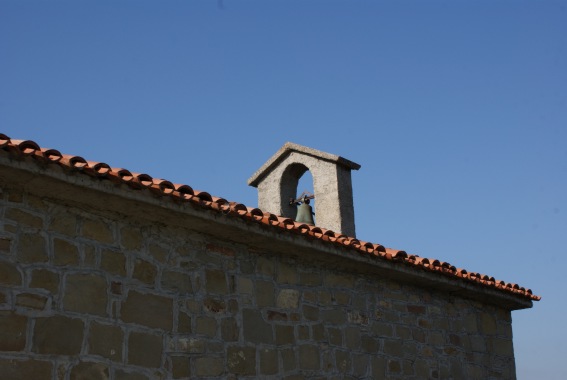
(288, 187)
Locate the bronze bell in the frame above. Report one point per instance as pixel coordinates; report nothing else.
(305, 213)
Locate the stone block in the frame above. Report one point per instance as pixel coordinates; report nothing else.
(369, 344)
(310, 279)
(158, 252)
(57, 335)
(334, 316)
(89, 371)
(256, 330)
(269, 364)
(393, 348)
(288, 299)
(144, 271)
(106, 341)
(45, 279)
(245, 285)
(309, 357)
(206, 326)
(265, 265)
(180, 367)
(265, 293)
(209, 366)
(12, 331)
(303, 332)
(31, 300)
(343, 361)
(9, 274)
(184, 323)
(5, 245)
(148, 310)
(360, 365)
(488, 323)
(341, 298)
(25, 218)
(403, 332)
(65, 223)
(145, 349)
(86, 293)
(131, 238)
(98, 230)
(287, 274)
(178, 281)
(65, 253)
(241, 360)
(311, 313)
(352, 338)
(229, 330)
(113, 262)
(378, 367)
(339, 280)
(25, 369)
(502, 347)
(335, 336)
(284, 335)
(216, 281)
(32, 248)
(318, 332)
(394, 366)
(288, 359)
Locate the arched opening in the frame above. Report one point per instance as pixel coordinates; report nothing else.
(296, 178)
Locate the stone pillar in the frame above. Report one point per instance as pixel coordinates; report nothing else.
(277, 182)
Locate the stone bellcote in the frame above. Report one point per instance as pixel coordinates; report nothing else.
(278, 178)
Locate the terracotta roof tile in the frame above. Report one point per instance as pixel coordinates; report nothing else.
(185, 193)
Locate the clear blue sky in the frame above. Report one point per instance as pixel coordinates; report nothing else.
(456, 110)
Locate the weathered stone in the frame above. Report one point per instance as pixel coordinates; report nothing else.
(89, 371)
(289, 362)
(65, 253)
(241, 360)
(245, 285)
(131, 238)
(343, 361)
(352, 337)
(303, 332)
(206, 326)
(148, 310)
(378, 367)
(310, 279)
(288, 299)
(394, 366)
(264, 293)
(309, 357)
(65, 223)
(360, 365)
(229, 330)
(335, 336)
(113, 262)
(284, 335)
(287, 274)
(158, 252)
(209, 366)
(334, 316)
(216, 281)
(12, 331)
(145, 349)
(180, 367)
(106, 341)
(268, 361)
(178, 281)
(5, 244)
(184, 323)
(24, 218)
(45, 279)
(31, 300)
(98, 230)
(488, 323)
(393, 348)
(339, 280)
(256, 330)
(9, 274)
(58, 335)
(86, 293)
(32, 248)
(265, 265)
(145, 271)
(25, 369)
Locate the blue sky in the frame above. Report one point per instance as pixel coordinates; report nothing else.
(456, 110)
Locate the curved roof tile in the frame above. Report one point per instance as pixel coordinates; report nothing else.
(185, 193)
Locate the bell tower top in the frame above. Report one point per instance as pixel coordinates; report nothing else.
(277, 183)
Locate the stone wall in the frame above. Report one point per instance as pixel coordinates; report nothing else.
(85, 295)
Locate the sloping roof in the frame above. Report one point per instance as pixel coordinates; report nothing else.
(184, 193)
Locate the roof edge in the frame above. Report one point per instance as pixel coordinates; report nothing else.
(289, 147)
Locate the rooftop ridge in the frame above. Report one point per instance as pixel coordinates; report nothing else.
(185, 193)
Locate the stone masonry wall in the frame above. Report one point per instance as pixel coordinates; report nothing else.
(89, 296)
